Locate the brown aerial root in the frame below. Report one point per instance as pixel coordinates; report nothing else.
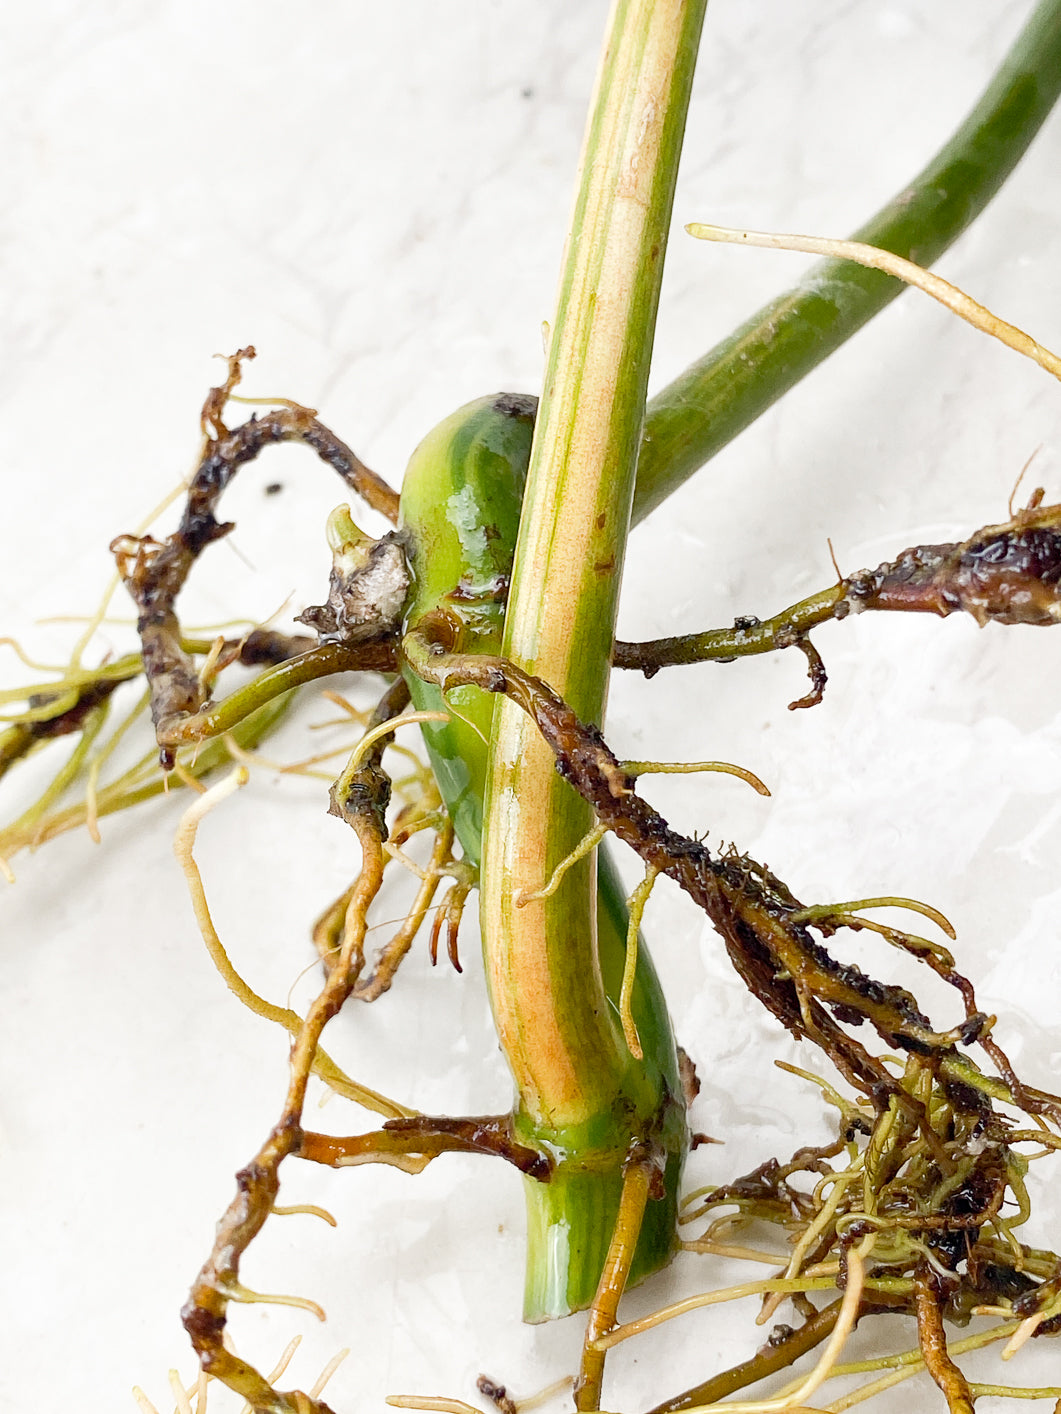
(774, 1356)
(154, 572)
(205, 1312)
(794, 976)
(1004, 574)
(406, 1140)
(382, 975)
(423, 813)
(925, 1157)
(411, 1142)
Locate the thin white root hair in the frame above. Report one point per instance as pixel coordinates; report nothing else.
(432, 1401)
(328, 1371)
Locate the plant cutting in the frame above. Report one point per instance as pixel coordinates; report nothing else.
(610, 1136)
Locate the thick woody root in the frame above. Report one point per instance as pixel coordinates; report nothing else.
(155, 572)
(407, 1141)
(931, 1156)
(1003, 574)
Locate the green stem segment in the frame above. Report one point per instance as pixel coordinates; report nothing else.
(460, 507)
(724, 392)
(580, 1091)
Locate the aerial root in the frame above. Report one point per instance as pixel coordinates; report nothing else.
(954, 299)
(833, 1325)
(317, 1388)
(636, 905)
(311, 1210)
(436, 1402)
(637, 1184)
(211, 417)
(182, 1396)
(143, 1403)
(184, 848)
(846, 1318)
(718, 1297)
(236, 1291)
(905, 1365)
(503, 1399)
(206, 1311)
(451, 911)
(211, 666)
(364, 780)
(1023, 1333)
(777, 1354)
(819, 678)
(933, 1341)
(825, 911)
(30, 829)
(183, 1393)
(382, 730)
(677, 768)
(390, 958)
(586, 845)
(154, 572)
(853, 1116)
(412, 1142)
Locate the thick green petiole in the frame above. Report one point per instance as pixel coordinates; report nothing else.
(581, 1091)
(461, 501)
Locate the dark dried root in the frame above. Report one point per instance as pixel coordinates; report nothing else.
(1004, 574)
(154, 572)
(936, 1158)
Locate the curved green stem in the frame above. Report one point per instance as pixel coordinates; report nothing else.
(724, 392)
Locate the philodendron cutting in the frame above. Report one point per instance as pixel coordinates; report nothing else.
(487, 617)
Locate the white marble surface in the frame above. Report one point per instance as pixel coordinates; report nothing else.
(375, 195)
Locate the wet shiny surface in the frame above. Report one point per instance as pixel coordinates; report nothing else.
(389, 234)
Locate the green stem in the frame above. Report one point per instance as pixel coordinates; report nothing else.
(721, 394)
(580, 1090)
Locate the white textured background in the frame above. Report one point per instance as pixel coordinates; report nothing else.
(375, 195)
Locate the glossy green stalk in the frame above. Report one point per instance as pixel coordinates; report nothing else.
(724, 392)
(580, 1090)
(460, 511)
